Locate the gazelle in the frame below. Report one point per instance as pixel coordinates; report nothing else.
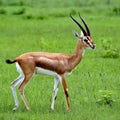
(55, 64)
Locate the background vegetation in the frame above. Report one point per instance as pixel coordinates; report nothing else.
(43, 25)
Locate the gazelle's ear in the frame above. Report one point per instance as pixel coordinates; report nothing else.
(76, 34)
(81, 34)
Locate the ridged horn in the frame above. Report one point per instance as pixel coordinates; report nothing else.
(86, 26)
(84, 32)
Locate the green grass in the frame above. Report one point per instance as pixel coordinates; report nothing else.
(50, 29)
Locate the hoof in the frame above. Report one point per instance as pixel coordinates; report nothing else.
(52, 109)
(29, 109)
(15, 108)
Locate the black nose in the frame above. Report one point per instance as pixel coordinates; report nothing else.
(93, 47)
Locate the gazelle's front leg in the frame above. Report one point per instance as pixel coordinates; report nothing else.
(56, 85)
(65, 91)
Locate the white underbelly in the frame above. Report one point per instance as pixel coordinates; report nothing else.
(49, 72)
(44, 71)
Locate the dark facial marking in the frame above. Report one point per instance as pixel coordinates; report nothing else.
(85, 40)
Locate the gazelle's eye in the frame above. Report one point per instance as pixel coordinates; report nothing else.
(85, 40)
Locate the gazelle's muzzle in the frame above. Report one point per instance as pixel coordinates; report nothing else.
(93, 46)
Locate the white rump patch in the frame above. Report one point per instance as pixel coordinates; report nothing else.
(19, 68)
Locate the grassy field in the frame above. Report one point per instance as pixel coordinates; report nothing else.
(94, 87)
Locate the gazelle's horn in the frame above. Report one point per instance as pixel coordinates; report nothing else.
(86, 26)
(84, 32)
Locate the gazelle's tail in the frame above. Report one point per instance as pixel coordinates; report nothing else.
(10, 62)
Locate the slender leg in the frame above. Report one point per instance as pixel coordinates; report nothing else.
(65, 91)
(21, 89)
(56, 85)
(14, 84)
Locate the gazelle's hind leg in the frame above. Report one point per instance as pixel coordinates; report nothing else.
(21, 89)
(56, 85)
(28, 70)
(13, 87)
(14, 84)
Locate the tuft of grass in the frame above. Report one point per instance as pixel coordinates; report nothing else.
(16, 3)
(20, 11)
(105, 97)
(29, 16)
(41, 17)
(37, 17)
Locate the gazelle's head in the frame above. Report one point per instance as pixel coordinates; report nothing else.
(85, 36)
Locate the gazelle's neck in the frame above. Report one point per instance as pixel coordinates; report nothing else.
(79, 50)
(77, 55)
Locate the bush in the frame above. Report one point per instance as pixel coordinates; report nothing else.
(73, 11)
(106, 44)
(3, 11)
(108, 50)
(105, 97)
(109, 53)
(116, 10)
(19, 11)
(1, 2)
